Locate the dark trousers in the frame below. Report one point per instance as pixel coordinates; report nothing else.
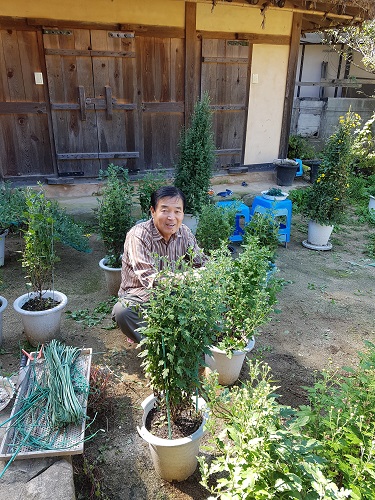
(127, 313)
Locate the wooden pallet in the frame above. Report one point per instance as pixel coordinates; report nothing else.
(68, 441)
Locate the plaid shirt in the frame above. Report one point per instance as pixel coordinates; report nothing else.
(143, 241)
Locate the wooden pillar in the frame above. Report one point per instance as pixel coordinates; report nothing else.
(290, 84)
(191, 69)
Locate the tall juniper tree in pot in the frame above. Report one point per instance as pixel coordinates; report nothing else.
(115, 220)
(196, 157)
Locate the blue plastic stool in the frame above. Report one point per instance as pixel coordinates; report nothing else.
(299, 172)
(242, 211)
(279, 209)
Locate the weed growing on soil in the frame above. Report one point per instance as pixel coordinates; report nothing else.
(96, 316)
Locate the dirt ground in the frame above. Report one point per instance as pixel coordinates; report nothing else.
(324, 314)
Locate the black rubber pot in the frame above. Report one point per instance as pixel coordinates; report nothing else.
(314, 168)
(286, 172)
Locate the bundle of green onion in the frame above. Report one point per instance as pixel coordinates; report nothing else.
(64, 383)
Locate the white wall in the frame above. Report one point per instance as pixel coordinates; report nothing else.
(266, 102)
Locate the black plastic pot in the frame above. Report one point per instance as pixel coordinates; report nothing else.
(314, 168)
(285, 172)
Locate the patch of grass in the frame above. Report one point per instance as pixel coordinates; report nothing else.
(338, 273)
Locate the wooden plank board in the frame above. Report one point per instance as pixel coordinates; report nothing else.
(12, 62)
(87, 53)
(72, 434)
(4, 89)
(225, 68)
(30, 63)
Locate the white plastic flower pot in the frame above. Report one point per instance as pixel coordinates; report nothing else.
(112, 277)
(173, 459)
(2, 246)
(41, 326)
(228, 369)
(318, 236)
(371, 203)
(191, 221)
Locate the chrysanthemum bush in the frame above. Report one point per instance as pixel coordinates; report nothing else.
(323, 450)
(326, 200)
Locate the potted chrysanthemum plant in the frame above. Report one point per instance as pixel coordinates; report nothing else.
(326, 200)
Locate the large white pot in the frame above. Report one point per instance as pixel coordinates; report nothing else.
(3, 304)
(318, 236)
(112, 277)
(191, 221)
(228, 368)
(2, 246)
(371, 203)
(41, 326)
(173, 459)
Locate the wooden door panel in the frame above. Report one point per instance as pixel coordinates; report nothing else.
(24, 134)
(92, 101)
(225, 77)
(110, 74)
(161, 67)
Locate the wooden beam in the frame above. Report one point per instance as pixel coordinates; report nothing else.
(290, 84)
(226, 60)
(158, 31)
(163, 107)
(88, 53)
(191, 93)
(250, 37)
(22, 107)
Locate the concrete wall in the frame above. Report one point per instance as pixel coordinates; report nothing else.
(316, 119)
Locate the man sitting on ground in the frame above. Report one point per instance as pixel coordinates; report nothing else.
(164, 236)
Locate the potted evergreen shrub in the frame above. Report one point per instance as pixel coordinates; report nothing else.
(250, 294)
(196, 159)
(114, 220)
(46, 223)
(326, 200)
(181, 318)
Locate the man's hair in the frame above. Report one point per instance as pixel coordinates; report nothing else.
(167, 192)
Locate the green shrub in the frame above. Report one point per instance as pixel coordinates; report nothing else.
(298, 198)
(146, 186)
(363, 149)
(326, 201)
(12, 207)
(261, 452)
(196, 157)
(215, 225)
(114, 212)
(341, 416)
(299, 147)
(265, 226)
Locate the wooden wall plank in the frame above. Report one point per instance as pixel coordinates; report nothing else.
(13, 66)
(177, 70)
(4, 87)
(30, 63)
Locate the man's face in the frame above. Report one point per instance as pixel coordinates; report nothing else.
(168, 216)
